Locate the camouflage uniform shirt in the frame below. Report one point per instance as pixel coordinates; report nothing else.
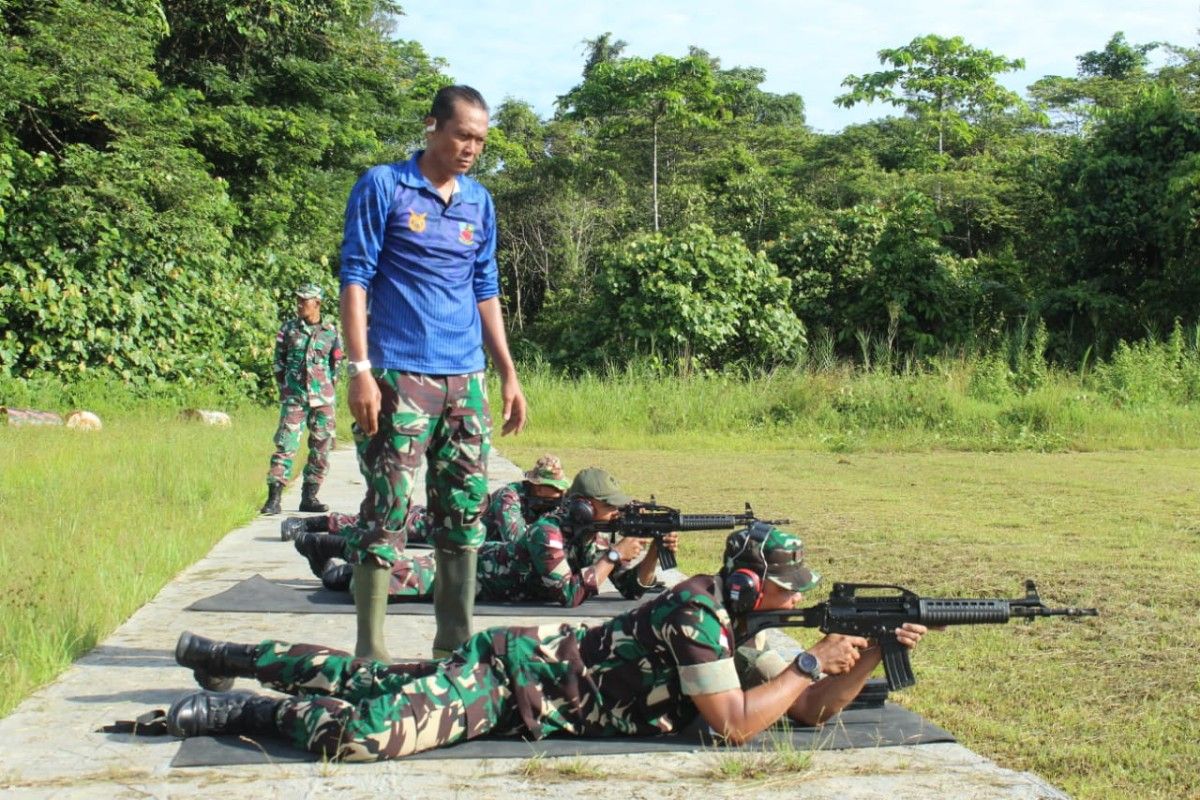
(633, 675)
(546, 564)
(511, 509)
(306, 361)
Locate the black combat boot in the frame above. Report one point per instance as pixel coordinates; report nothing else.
(337, 574)
(308, 498)
(292, 527)
(215, 664)
(272, 504)
(215, 713)
(318, 548)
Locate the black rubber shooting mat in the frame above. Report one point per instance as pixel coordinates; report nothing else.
(261, 595)
(888, 726)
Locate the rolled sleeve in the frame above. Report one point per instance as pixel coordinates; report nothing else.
(366, 223)
(486, 280)
(710, 678)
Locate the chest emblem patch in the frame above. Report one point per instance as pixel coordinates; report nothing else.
(416, 222)
(466, 233)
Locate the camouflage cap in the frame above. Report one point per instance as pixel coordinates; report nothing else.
(600, 485)
(548, 471)
(772, 553)
(310, 291)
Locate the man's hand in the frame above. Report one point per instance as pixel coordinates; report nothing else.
(515, 410)
(364, 400)
(629, 548)
(837, 653)
(911, 632)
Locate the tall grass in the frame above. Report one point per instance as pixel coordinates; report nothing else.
(93, 524)
(1148, 395)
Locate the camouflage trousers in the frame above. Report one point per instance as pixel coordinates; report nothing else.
(357, 709)
(443, 420)
(412, 578)
(321, 429)
(416, 525)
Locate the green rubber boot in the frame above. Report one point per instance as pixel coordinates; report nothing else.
(370, 606)
(453, 598)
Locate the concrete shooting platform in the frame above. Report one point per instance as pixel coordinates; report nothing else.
(50, 746)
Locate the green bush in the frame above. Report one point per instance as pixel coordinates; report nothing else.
(701, 297)
(1151, 373)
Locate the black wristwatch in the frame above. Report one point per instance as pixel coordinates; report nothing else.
(809, 665)
(613, 556)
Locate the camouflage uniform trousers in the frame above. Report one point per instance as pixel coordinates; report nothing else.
(444, 419)
(416, 525)
(321, 429)
(357, 709)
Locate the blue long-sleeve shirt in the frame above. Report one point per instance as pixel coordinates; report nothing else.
(425, 265)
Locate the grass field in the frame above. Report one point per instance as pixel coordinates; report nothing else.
(914, 480)
(1105, 708)
(92, 524)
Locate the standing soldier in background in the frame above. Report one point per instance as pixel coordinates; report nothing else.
(419, 257)
(307, 355)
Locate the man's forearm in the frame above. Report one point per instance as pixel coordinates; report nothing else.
(830, 695)
(353, 308)
(741, 715)
(494, 339)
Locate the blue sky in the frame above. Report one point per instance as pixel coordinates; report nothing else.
(532, 49)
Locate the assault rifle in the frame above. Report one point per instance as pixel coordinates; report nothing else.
(652, 521)
(877, 617)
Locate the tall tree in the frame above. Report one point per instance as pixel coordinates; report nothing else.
(944, 81)
(632, 94)
(601, 50)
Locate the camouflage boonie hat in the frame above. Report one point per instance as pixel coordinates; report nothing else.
(310, 291)
(771, 553)
(548, 471)
(599, 484)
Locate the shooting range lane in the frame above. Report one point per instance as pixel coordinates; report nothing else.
(54, 745)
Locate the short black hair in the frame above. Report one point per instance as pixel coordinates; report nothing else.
(443, 102)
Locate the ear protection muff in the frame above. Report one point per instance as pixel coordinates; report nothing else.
(744, 587)
(745, 591)
(580, 515)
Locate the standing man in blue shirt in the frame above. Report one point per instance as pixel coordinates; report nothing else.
(419, 302)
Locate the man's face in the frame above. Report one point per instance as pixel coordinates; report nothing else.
(602, 511)
(776, 598)
(457, 142)
(544, 491)
(308, 309)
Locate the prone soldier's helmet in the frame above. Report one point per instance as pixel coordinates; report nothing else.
(760, 553)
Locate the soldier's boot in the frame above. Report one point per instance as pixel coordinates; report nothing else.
(318, 548)
(274, 490)
(292, 527)
(308, 498)
(215, 713)
(215, 664)
(453, 599)
(336, 576)
(370, 607)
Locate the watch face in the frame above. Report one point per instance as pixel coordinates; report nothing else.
(613, 556)
(808, 664)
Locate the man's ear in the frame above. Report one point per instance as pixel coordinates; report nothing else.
(431, 126)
